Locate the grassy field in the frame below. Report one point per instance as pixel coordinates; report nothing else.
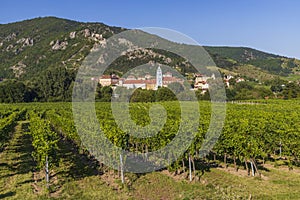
(77, 176)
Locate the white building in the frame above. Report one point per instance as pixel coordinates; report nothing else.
(159, 78)
(132, 84)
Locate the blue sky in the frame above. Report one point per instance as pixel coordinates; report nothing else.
(268, 25)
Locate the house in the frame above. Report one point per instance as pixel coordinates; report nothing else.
(203, 85)
(226, 79)
(132, 84)
(105, 80)
(201, 78)
(151, 84)
(114, 79)
(108, 80)
(201, 82)
(147, 82)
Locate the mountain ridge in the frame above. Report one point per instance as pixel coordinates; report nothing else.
(36, 50)
(38, 33)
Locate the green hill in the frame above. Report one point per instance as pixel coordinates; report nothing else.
(43, 55)
(32, 46)
(241, 54)
(228, 57)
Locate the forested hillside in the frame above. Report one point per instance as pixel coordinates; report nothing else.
(40, 58)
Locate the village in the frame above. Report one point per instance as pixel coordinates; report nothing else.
(149, 82)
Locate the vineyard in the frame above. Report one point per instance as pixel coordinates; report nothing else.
(258, 140)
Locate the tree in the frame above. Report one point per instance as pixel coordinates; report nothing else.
(230, 94)
(176, 87)
(106, 93)
(13, 91)
(291, 91)
(277, 85)
(203, 96)
(54, 85)
(98, 94)
(140, 95)
(232, 82)
(164, 94)
(243, 85)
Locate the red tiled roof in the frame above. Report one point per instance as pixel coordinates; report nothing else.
(198, 75)
(105, 77)
(134, 82)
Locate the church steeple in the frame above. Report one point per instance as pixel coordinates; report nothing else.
(159, 78)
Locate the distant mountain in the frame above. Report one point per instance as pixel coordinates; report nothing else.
(32, 46)
(44, 52)
(229, 57)
(241, 54)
